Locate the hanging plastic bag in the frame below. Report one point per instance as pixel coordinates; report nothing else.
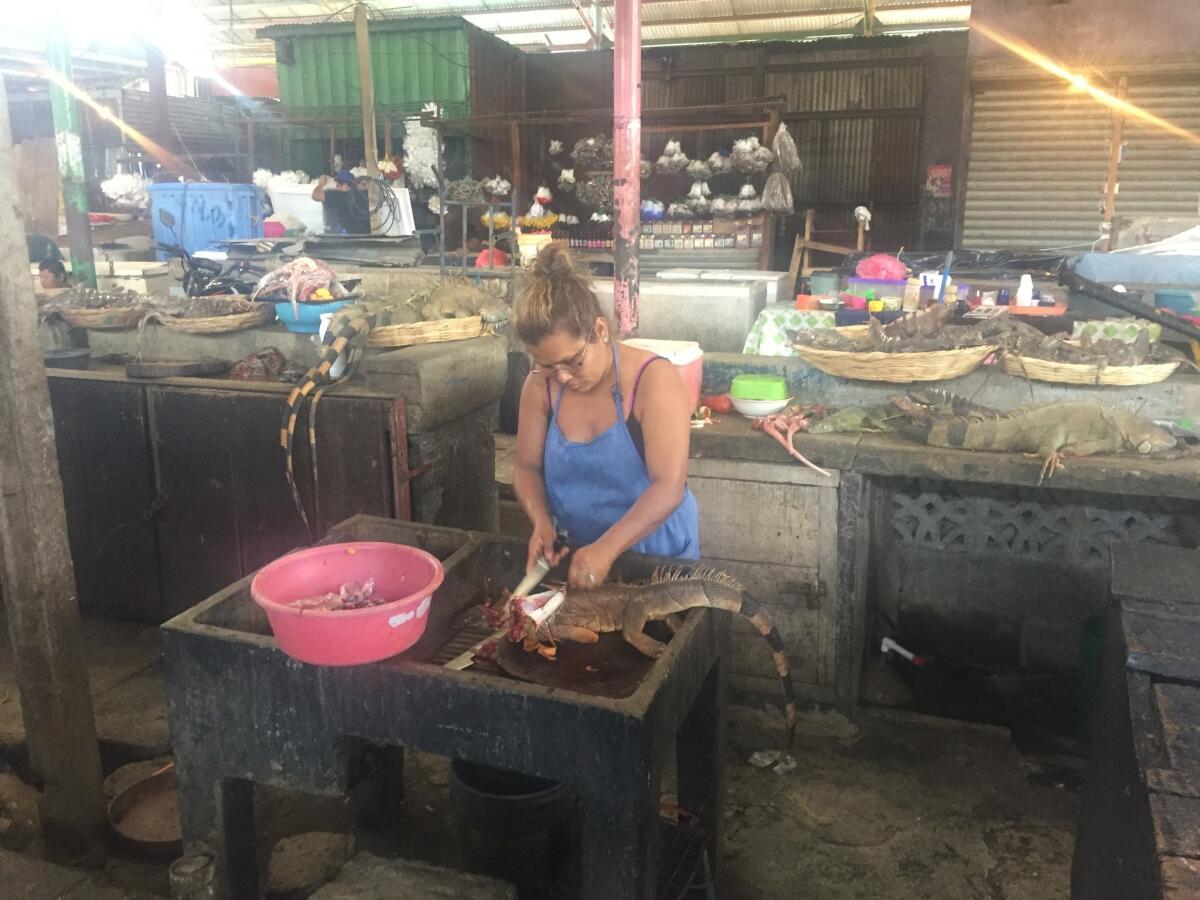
(786, 153)
(777, 194)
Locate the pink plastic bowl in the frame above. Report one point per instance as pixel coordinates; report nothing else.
(350, 637)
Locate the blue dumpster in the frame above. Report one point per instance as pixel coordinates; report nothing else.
(206, 212)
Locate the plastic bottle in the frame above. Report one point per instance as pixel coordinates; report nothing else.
(1025, 291)
(912, 295)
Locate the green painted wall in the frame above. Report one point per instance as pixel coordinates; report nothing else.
(411, 66)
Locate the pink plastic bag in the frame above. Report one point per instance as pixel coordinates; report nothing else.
(881, 267)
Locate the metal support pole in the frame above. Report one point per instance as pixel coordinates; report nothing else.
(627, 161)
(70, 161)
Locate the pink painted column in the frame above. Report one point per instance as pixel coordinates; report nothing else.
(627, 161)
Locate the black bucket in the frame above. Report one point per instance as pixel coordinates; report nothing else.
(516, 827)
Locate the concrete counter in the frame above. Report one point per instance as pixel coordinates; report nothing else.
(962, 549)
(988, 385)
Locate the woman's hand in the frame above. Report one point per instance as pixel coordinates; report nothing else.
(541, 543)
(589, 566)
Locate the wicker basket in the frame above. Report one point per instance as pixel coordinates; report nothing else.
(426, 332)
(260, 315)
(899, 368)
(1086, 373)
(108, 318)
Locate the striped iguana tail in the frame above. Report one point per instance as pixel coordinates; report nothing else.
(347, 330)
(723, 591)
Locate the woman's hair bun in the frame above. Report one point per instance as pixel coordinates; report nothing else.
(554, 261)
(555, 295)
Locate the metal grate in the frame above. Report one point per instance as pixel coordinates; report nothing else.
(684, 872)
(468, 630)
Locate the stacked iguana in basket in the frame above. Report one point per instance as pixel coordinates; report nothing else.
(107, 310)
(921, 347)
(217, 314)
(1090, 360)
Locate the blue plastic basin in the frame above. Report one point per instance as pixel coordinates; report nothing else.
(309, 321)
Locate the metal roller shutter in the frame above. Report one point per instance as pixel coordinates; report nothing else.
(1160, 172)
(1038, 162)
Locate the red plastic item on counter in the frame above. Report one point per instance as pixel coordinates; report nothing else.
(353, 636)
(881, 267)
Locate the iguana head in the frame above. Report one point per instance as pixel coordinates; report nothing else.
(1143, 435)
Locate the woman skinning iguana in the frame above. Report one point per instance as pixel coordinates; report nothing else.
(602, 441)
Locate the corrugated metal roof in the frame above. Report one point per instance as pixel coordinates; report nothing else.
(528, 22)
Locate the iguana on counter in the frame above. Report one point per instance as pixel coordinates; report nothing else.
(1050, 431)
(626, 608)
(347, 333)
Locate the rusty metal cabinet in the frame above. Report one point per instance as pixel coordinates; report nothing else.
(175, 489)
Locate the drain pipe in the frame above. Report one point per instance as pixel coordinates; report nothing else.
(627, 161)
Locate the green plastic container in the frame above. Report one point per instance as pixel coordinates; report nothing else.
(759, 387)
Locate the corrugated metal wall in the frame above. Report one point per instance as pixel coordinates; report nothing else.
(1160, 172)
(1038, 163)
(411, 68)
(1039, 160)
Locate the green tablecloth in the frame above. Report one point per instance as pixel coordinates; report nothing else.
(769, 335)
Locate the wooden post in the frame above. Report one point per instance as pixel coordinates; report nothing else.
(332, 144)
(366, 90)
(387, 139)
(1116, 138)
(366, 86)
(809, 216)
(156, 76)
(862, 236)
(771, 127)
(35, 558)
(518, 163)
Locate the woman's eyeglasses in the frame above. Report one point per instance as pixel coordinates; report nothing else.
(571, 365)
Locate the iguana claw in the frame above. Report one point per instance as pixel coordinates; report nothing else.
(1053, 462)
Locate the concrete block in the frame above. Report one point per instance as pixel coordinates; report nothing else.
(442, 382)
(716, 315)
(368, 877)
(161, 342)
(459, 488)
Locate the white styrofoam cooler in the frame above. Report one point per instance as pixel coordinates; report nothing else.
(717, 315)
(776, 284)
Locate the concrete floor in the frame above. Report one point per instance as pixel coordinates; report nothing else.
(891, 806)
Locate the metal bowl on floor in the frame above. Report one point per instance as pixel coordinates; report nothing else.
(145, 816)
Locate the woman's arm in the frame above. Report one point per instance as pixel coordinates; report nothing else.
(665, 417)
(528, 481)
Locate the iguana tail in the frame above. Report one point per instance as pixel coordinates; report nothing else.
(343, 330)
(720, 590)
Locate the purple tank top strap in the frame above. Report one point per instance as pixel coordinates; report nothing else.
(637, 379)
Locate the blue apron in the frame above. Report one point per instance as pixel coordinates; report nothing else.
(592, 484)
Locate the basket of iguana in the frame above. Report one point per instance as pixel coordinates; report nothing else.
(923, 347)
(210, 315)
(452, 311)
(107, 310)
(1089, 360)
